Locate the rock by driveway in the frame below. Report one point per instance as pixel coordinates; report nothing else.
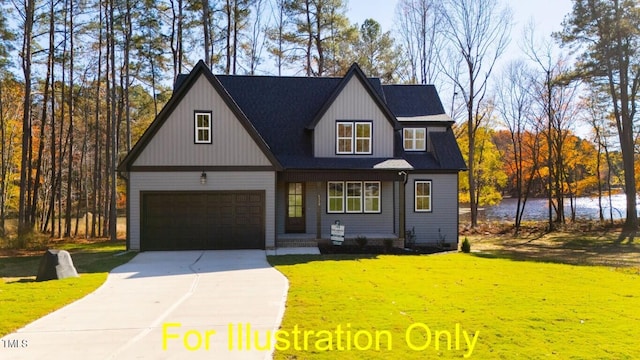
(165, 305)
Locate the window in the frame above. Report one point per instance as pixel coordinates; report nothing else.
(353, 141)
(335, 196)
(415, 139)
(354, 197)
(372, 197)
(359, 197)
(363, 138)
(203, 128)
(345, 138)
(423, 195)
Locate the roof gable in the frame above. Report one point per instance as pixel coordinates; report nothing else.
(179, 95)
(377, 96)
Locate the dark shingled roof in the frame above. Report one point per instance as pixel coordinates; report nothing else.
(280, 108)
(279, 111)
(446, 150)
(413, 100)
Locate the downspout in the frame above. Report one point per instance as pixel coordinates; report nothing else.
(402, 201)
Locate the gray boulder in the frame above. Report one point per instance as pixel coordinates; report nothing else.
(56, 264)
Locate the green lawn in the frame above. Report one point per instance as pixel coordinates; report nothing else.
(22, 300)
(421, 307)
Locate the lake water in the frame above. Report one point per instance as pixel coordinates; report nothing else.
(537, 209)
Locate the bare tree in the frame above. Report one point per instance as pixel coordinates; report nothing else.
(515, 107)
(479, 33)
(418, 27)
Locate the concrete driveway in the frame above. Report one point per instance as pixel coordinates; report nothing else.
(165, 305)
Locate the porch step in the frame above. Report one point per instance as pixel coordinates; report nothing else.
(293, 243)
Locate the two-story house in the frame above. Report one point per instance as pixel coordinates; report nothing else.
(254, 162)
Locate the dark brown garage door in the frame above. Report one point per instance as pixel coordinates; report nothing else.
(202, 220)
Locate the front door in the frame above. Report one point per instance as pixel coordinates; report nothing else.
(295, 222)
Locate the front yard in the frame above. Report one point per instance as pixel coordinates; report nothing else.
(22, 300)
(455, 306)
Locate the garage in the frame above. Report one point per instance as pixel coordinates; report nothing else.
(211, 220)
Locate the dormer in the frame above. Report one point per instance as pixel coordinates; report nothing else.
(419, 112)
(355, 121)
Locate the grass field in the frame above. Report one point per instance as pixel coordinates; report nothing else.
(22, 300)
(421, 307)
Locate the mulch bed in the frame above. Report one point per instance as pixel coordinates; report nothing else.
(376, 250)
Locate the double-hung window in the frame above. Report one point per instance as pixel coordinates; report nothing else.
(422, 195)
(353, 137)
(335, 197)
(415, 139)
(202, 127)
(353, 197)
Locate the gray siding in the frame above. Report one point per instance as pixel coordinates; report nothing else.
(444, 205)
(190, 181)
(353, 103)
(173, 144)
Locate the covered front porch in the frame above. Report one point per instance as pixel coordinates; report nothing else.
(368, 203)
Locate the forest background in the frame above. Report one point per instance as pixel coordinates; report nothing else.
(80, 81)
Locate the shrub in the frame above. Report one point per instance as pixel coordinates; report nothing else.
(388, 243)
(361, 241)
(466, 245)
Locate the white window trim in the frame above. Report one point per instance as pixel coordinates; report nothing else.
(413, 139)
(363, 197)
(347, 197)
(329, 197)
(416, 196)
(198, 128)
(354, 138)
(338, 137)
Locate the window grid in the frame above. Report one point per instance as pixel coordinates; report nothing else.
(353, 137)
(344, 138)
(363, 138)
(415, 139)
(202, 128)
(353, 197)
(371, 197)
(422, 196)
(335, 195)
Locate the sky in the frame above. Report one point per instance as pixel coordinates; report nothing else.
(546, 14)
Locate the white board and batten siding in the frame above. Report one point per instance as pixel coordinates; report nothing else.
(190, 181)
(174, 143)
(353, 104)
(444, 210)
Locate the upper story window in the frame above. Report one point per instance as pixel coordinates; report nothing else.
(415, 139)
(353, 137)
(202, 127)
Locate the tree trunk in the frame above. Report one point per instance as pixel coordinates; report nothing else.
(23, 227)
